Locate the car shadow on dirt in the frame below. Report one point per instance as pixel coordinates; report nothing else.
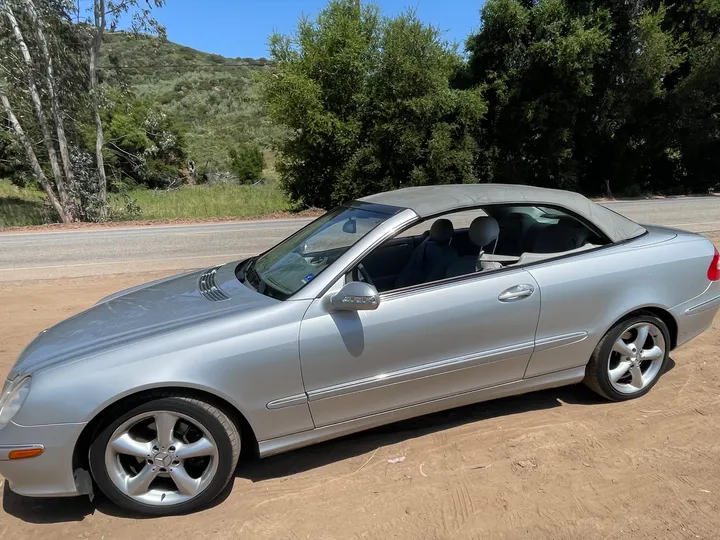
(42, 511)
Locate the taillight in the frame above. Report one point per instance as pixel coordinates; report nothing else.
(714, 270)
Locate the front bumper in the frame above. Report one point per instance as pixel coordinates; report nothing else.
(47, 475)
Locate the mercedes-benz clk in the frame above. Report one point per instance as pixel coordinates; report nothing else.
(392, 306)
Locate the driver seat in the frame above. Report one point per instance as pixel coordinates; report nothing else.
(431, 260)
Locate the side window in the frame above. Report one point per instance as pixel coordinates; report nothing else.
(539, 230)
(432, 250)
(478, 240)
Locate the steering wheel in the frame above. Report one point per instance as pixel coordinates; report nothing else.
(360, 273)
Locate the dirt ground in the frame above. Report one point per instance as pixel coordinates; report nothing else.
(557, 464)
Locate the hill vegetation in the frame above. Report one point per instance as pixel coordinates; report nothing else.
(214, 100)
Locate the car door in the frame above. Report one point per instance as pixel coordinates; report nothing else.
(420, 344)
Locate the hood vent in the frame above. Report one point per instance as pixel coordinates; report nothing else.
(208, 287)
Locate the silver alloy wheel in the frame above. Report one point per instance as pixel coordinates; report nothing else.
(161, 458)
(636, 358)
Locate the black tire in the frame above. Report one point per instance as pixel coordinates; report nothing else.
(596, 373)
(218, 424)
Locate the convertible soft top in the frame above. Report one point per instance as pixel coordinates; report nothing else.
(428, 201)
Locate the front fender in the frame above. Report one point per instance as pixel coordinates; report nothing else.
(248, 368)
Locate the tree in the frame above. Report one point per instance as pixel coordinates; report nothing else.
(64, 207)
(32, 157)
(50, 84)
(107, 13)
(369, 106)
(37, 35)
(598, 96)
(537, 62)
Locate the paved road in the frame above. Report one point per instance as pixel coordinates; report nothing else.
(78, 253)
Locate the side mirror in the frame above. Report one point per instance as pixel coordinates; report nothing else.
(356, 296)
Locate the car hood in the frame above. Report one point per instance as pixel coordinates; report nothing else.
(139, 313)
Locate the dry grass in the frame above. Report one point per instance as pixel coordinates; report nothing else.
(25, 206)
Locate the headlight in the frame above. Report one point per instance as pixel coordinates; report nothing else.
(13, 396)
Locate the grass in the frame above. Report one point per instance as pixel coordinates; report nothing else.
(203, 202)
(21, 206)
(26, 206)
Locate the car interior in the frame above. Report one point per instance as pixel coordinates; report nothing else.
(479, 241)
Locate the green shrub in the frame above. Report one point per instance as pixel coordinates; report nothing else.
(247, 163)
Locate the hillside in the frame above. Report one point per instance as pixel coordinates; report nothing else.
(214, 98)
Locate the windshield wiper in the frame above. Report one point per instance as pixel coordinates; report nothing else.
(251, 278)
(244, 271)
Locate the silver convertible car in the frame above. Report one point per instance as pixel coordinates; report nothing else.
(392, 306)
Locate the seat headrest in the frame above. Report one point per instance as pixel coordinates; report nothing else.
(483, 231)
(442, 231)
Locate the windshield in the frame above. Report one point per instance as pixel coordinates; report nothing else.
(295, 262)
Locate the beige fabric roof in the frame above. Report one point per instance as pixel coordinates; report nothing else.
(428, 201)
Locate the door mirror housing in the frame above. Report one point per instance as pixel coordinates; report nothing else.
(356, 296)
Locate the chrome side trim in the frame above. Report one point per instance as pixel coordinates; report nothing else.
(289, 401)
(426, 370)
(5, 449)
(558, 341)
(707, 304)
(297, 440)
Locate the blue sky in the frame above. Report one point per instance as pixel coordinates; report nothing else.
(241, 27)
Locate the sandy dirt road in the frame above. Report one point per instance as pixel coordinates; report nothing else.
(558, 464)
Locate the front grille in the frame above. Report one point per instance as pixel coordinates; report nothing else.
(208, 287)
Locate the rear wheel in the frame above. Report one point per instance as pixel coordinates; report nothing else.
(165, 456)
(629, 360)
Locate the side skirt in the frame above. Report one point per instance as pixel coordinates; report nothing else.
(305, 438)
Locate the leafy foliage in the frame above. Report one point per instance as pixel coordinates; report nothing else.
(12, 161)
(247, 162)
(142, 143)
(596, 96)
(369, 105)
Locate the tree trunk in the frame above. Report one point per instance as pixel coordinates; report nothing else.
(50, 83)
(32, 158)
(607, 189)
(99, 9)
(40, 113)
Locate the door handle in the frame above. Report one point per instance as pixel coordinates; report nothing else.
(518, 292)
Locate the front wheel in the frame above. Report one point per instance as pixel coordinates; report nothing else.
(629, 360)
(167, 455)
